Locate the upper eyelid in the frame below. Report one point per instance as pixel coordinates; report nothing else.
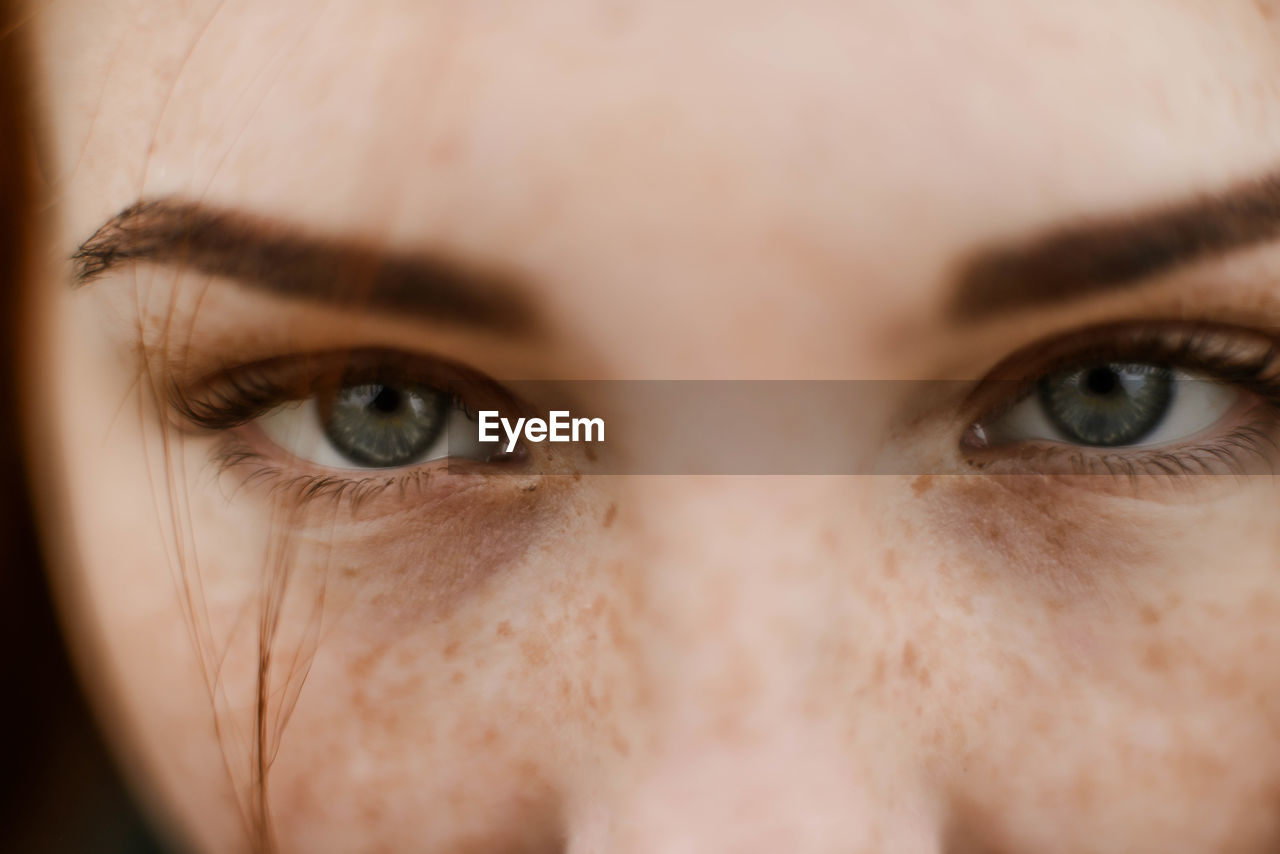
(1183, 344)
(1118, 340)
(210, 402)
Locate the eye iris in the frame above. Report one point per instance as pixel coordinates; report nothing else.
(1108, 405)
(379, 424)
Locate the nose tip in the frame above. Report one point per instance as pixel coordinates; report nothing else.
(785, 794)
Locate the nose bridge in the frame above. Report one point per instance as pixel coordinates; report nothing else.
(762, 620)
(754, 585)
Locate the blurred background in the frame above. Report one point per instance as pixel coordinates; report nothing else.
(59, 793)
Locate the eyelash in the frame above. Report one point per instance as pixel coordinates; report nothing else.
(301, 489)
(1247, 360)
(234, 397)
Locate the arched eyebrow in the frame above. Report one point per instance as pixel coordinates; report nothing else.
(1107, 254)
(1062, 264)
(271, 256)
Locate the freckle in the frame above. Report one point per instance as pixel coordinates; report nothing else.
(1084, 793)
(490, 737)
(361, 667)
(445, 151)
(1234, 684)
(372, 811)
(617, 630)
(620, 744)
(610, 515)
(909, 657)
(451, 650)
(1156, 658)
(924, 677)
(458, 677)
(590, 453)
(566, 688)
(535, 652)
(922, 484)
(1150, 616)
(529, 771)
(456, 799)
(1042, 724)
(1262, 606)
(504, 629)
(830, 542)
(890, 564)
(1022, 670)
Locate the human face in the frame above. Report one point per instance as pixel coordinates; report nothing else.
(983, 650)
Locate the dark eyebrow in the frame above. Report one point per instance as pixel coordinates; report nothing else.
(267, 255)
(1115, 253)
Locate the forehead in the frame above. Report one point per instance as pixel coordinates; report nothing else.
(675, 142)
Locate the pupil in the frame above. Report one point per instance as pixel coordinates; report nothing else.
(376, 424)
(1108, 405)
(1101, 381)
(386, 401)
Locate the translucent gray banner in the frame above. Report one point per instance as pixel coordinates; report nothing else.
(860, 427)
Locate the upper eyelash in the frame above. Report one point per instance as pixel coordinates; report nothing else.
(233, 396)
(1193, 347)
(229, 399)
(1248, 359)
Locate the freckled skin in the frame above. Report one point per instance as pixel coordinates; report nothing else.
(915, 664)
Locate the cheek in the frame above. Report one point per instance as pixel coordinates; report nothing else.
(392, 678)
(461, 730)
(1158, 738)
(1128, 686)
(424, 744)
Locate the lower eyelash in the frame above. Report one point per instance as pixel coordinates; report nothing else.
(256, 469)
(1249, 449)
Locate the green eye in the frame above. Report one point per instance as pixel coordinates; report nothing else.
(1107, 405)
(1111, 405)
(384, 425)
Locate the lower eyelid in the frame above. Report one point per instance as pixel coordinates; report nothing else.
(246, 454)
(1247, 445)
